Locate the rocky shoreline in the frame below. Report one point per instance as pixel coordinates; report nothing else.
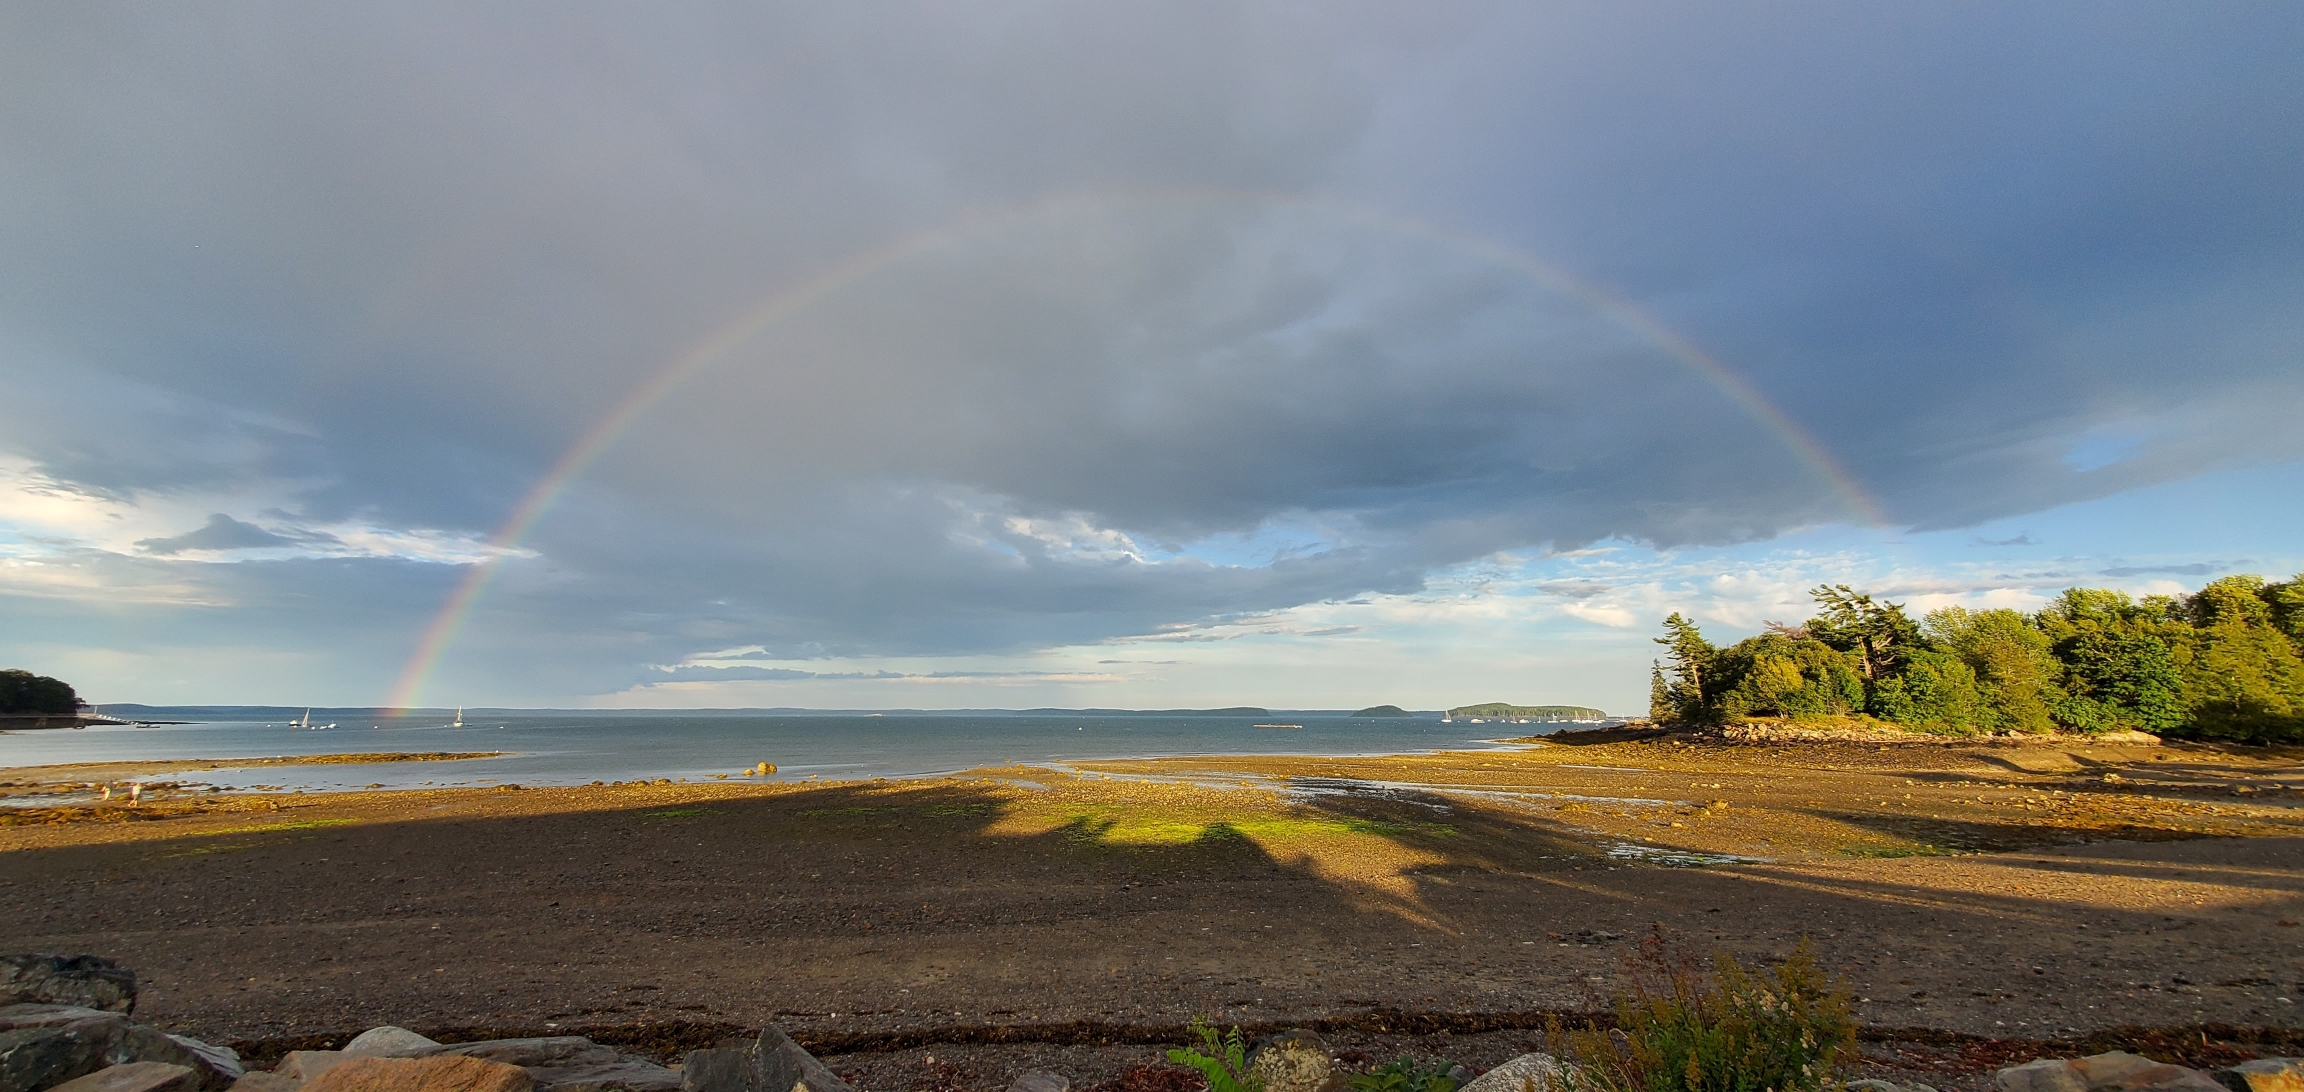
(65, 1026)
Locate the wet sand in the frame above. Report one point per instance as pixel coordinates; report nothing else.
(2011, 893)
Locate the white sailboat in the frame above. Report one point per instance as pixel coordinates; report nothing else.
(306, 722)
(459, 721)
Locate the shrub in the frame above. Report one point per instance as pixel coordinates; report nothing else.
(1681, 1030)
(1222, 1058)
(1408, 1075)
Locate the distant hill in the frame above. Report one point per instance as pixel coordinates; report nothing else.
(1383, 711)
(1529, 712)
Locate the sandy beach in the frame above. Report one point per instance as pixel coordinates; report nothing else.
(952, 931)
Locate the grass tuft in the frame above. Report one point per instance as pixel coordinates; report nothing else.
(1680, 1029)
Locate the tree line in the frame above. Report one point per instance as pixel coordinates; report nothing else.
(2226, 662)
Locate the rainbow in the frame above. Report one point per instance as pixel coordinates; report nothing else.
(441, 632)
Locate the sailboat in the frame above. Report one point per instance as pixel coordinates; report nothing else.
(304, 723)
(459, 721)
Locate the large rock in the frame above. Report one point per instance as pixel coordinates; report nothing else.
(2114, 1071)
(2042, 1075)
(567, 1063)
(2265, 1075)
(48, 1016)
(390, 1042)
(1041, 1080)
(304, 1065)
(135, 1077)
(628, 1075)
(440, 1073)
(86, 981)
(115, 1040)
(261, 1081)
(773, 1064)
(2120, 1071)
(216, 1067)
(42, 1057)
(1292, 1061)
(1526, 1073)
(556, 1050)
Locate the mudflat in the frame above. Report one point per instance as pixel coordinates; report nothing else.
(2019, 892)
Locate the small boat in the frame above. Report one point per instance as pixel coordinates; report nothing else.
(459, 721)
(1279, 726)
(306, 722)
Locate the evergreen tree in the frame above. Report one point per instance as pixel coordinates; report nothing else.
(2243, 679)
(1878, 634)
(1691, 657)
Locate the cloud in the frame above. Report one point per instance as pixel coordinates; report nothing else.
(2197, 568)
(221, 532)
(1047, 325)
(2020, 540)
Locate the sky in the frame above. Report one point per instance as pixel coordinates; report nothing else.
(968, 355)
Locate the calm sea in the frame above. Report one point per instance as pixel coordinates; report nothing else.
(573, 748)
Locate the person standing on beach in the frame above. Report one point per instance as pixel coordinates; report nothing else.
(135, 789)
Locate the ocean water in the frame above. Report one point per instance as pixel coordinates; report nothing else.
(574, 748)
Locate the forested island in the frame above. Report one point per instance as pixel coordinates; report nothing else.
(24, 694)
(2225, 663)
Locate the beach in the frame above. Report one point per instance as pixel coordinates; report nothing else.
(1964, 893)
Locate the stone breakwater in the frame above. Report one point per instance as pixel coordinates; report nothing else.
(65, 1026)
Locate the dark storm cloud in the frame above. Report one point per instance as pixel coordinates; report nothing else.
(382, 266)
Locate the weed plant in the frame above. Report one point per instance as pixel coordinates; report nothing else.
(1680, 1029)
(1408, 1075)
(1220, 1057)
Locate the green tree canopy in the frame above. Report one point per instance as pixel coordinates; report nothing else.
(2226, 662)
(1877, 633)
(25, 692)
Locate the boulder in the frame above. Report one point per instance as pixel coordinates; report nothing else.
(1526, 1073)
(135, 1077)
(266, 1082)
(2120, 1071)
(47, 1016)
(304, 1065)
(1292, 1061)
(1040, 1080)
(628, 1075)
(109, 1040)
(2113, 1071)
(773, 1064)
(550, 1051)
(2265, 1075)
(718, 1070)
(2042, 1075)
(36, 1058)
(390, 1042)
(216, 1067)
(439, 1073)
(84, 980)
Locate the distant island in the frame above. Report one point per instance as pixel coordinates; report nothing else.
(1227, 711)
(1383, 711)
(1506, 711)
